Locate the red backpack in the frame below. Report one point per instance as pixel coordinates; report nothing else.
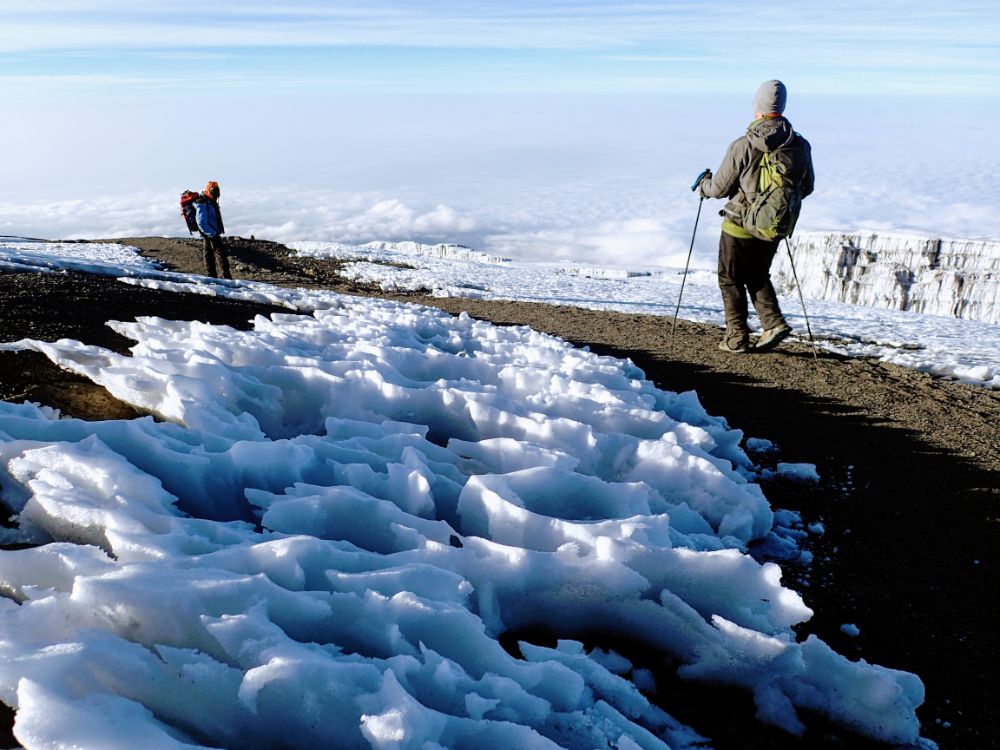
(188, 199)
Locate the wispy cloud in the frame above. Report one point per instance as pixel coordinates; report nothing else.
(650, 31)
(227, 23)
(656, 59)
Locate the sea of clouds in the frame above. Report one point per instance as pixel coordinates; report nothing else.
(592, 180)
(643, 225)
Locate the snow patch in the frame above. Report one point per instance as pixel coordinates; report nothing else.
(343, 511)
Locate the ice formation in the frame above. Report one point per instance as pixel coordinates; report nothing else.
(960, 278)
(335, 516)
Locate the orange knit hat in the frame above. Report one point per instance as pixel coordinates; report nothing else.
(212, 189)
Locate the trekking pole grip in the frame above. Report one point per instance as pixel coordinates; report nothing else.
(699, 178)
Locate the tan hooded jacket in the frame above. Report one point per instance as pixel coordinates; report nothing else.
(738, 177)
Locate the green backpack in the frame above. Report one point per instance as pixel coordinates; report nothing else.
(773, 212)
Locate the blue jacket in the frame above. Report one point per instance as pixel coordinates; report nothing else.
(209, 217)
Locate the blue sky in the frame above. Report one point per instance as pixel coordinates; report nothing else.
(894, 46)
(489, 121)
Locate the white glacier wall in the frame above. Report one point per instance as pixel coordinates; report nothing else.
(954, 277)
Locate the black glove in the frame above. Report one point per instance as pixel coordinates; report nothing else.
(705, 174)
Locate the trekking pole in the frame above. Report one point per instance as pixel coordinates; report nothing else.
(687, 263)
(798, 286)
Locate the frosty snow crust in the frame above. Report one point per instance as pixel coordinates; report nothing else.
(963, 349)
(346, 509)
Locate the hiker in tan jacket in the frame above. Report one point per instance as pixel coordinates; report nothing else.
(745, 259)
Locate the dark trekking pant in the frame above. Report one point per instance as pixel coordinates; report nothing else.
(216, 258)
(745, 269)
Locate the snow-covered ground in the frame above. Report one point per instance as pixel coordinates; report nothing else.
(961, 349)
(346, 506)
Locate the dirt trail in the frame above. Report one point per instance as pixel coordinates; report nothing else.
(910, 465)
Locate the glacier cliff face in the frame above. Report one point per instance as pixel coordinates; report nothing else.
(955, 277)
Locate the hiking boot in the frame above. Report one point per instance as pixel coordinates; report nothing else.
(771, 337)
(736, 347)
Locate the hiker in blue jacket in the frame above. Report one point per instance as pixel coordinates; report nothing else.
(209, 217)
